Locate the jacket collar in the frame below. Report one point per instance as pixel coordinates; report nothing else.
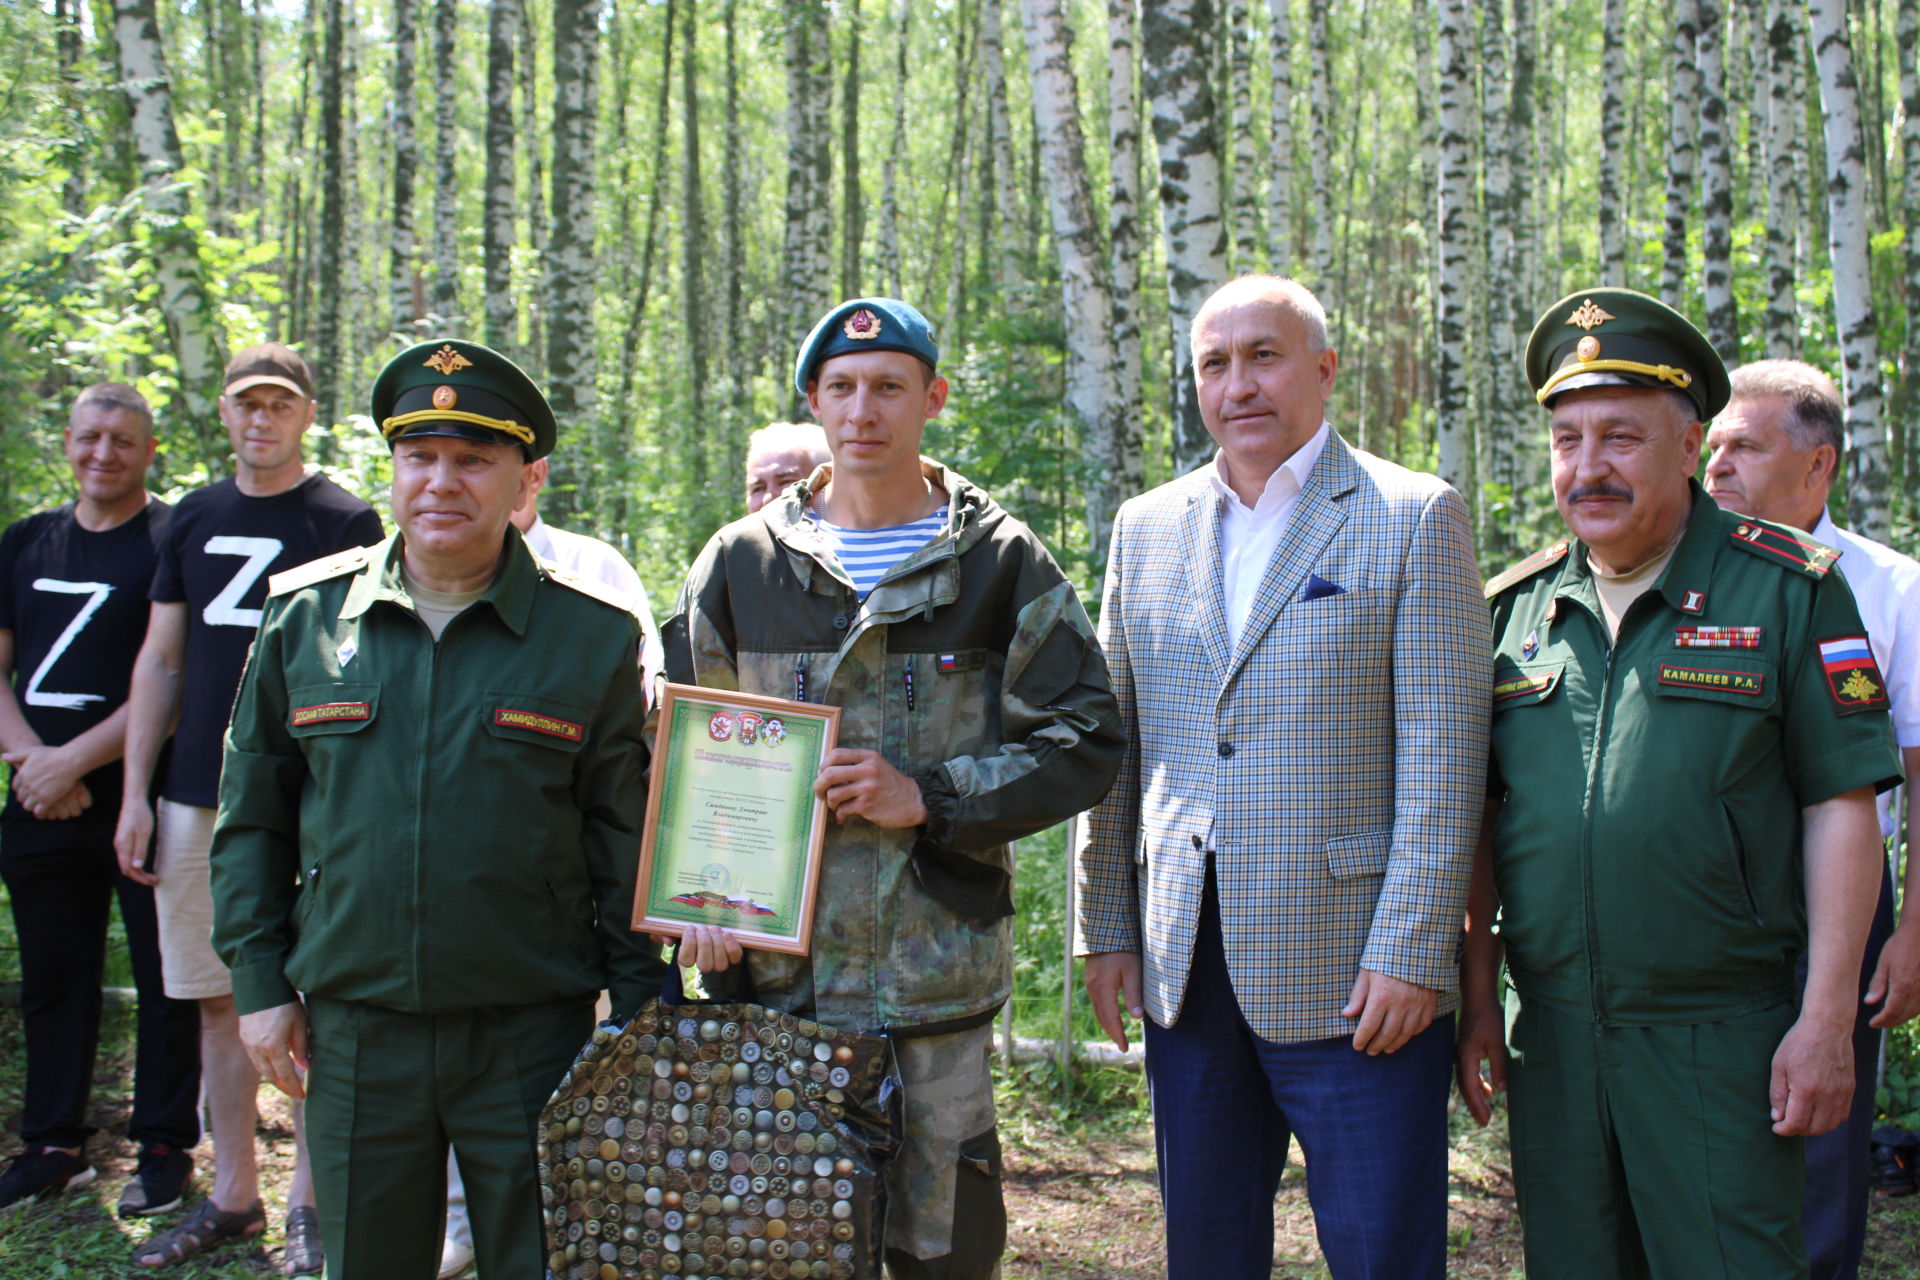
(1683, 583)
(510, 593)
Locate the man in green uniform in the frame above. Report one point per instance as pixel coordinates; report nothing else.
(429, 811)
(1688, 731)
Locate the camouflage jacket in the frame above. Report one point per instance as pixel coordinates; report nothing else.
(973, 669)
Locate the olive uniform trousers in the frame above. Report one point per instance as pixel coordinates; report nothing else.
(1646, 1152)
(389, 1091)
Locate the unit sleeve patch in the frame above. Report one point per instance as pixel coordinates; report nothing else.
(1853, 677)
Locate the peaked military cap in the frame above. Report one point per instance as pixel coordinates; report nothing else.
(1621, 338)
(451, 387)
(865, 324)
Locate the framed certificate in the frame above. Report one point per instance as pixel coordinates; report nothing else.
(734, 829)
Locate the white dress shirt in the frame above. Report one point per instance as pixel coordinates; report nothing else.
(1886, 587)
(1250, 535)
(597, 561)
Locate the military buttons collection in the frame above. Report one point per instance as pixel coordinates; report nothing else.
(660, 1160)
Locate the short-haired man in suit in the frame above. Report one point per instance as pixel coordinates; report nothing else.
(1300, 650)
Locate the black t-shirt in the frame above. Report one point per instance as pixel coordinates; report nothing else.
(76, 602)
(216, 558)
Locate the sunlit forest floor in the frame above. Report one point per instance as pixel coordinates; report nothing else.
(1080, 1189)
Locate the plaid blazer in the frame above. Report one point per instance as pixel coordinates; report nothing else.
(1335, 756)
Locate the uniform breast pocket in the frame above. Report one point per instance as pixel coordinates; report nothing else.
(1525, 686)
(315, 711)
(537, 720)
(1714, 676)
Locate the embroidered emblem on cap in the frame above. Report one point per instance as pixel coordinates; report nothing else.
(445, 397)
(550, 725)
(321, 713)
(1589, 316)
(447, 361)
(1588, 348)
(862, 325)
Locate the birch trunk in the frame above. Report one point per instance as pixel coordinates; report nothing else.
(1280, 245)
(896, 152)
(1867, 486)
(1683, 128)
(1174, 45)
(1716, 185)
(446, 173)
(1614, 137)
(1123, 250)
(1504, 421)
(1320, 104)
(571, 359)
(1085, 305)
(73, 154)
(332, 228)
(656, 190)
(693, 234)
(1783, 180)
(1907, 36)
(1455, 237)
(852, 204)
(499, 201)
(807, 191)
(1246, 182)
(536, 204)
(192, 324)
(1526, 284)
(733, 245)
(1006, 187)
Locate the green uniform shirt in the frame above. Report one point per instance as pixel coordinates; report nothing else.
(433, 827)
(1648, 850)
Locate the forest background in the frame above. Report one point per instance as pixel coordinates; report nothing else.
(647, 202)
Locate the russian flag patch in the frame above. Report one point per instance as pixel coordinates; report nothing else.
(1853, 677)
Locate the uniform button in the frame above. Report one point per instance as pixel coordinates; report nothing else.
(1226, 750)
(839, 622)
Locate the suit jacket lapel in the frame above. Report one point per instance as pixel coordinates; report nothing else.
(1200, 547)
(1317, 517)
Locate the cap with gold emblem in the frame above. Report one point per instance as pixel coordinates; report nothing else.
(1617, 337)
(450, 387)
(865, 324)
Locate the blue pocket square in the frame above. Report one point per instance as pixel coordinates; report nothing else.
(1319, 588)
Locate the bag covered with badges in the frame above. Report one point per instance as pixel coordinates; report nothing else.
(708, 1141)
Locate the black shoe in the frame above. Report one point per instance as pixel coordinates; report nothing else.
(159, 1183)
(1894, 1152)
(45, 1172)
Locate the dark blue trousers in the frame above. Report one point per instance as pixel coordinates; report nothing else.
(1834, 1207)
(1225, 1102)
(61, 898)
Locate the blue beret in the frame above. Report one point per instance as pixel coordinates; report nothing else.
(865, 324)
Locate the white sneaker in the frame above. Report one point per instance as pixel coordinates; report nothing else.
(455, 1256)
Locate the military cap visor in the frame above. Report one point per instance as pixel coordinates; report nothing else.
(865, 324)
(1619, 337)
(463, 390)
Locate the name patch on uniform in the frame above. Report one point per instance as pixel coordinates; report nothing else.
(1748, 682)
(1852, 675)
(1520, 686)
(322, 712)
(538, 723)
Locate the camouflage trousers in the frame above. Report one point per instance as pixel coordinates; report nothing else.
(945, 1217)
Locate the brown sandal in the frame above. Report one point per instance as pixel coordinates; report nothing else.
(207, 1226)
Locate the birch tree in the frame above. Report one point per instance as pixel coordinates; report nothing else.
(1854, 317)
(1320, 109)
(192, 325)
(537, 233)
(571, 360)
(1455, 238)
(1280, 246)
(333, 181)
(693, 234)
(1085, 306)
(809, 165)
(1246, 194)
(896, 150)
(1504, 420)
(446, 174)
(1004, 250)
(1783, 179)
(1682, 153)
(1614, 136)
(1907, 38)
(1175, 79)
(1123, 249)
(498, 199)
(852, 203)
(1716, 185)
